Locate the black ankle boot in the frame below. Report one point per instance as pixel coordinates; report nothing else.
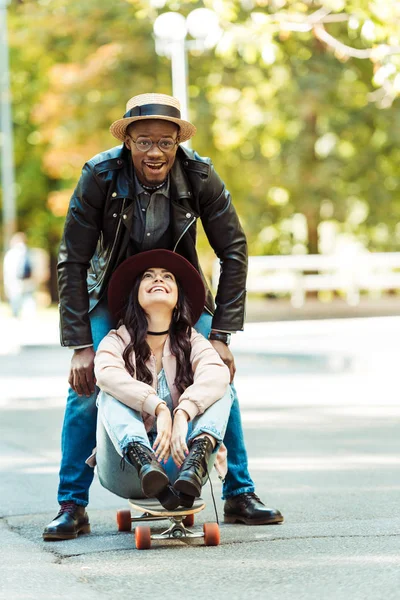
(153, 478)
(185, 500)
(194, 468)
(169, 498)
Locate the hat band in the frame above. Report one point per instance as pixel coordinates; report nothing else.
(147, 110)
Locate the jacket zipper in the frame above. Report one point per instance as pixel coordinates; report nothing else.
(183, 232)
(112, 249)
(180, 237)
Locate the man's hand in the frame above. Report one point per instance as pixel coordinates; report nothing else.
(81, 375)
(226, 355)
(164, 427)
(179, 448)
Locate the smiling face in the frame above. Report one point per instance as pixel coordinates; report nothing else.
(158, 288)
(153, 166)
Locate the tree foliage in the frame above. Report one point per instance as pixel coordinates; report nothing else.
(297, 104)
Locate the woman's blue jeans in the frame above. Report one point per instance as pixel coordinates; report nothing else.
(79, 431)
(120, 425)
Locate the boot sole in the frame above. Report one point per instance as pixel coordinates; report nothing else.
(186, 486)
(66, 536)
(153, 483)
(238, 519)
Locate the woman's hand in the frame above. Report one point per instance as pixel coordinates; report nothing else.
(161, 445)
(179, 449)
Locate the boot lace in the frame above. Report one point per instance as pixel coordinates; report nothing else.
(138, 453)
(248, 497)
(196, 456)
(67, 507)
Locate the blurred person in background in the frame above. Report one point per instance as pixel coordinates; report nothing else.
(144, 194)
(17, 274)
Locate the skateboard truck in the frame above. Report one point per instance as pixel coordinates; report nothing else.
(181, 519)
(176, 530)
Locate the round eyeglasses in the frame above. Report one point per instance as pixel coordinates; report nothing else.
(146, 144)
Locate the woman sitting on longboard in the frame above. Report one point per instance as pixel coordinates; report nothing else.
(165, 400)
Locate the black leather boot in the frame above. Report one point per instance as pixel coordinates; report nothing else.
(185, 500)
(153, 478)
(70, 521)
(194, 468)
(247, 508)
(169, 498)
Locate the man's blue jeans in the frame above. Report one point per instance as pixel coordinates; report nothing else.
(79, 431)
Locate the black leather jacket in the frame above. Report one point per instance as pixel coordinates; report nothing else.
(97, 232)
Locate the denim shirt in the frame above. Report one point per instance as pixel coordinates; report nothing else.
(164, 394)
(153, 210)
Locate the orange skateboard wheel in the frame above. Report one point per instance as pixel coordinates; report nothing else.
(124, 520)
(188, 521)
(142, 537)
(211, 534)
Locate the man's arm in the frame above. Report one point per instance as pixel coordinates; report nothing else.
(81, 233)
(226, 236)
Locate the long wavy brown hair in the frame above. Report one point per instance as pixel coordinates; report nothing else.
(179, 332)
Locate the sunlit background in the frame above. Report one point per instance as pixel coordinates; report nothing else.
(296, 103)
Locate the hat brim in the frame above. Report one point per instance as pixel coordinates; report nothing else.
(186, 129)
(124, 277)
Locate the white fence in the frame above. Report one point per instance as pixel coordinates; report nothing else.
(296, 275)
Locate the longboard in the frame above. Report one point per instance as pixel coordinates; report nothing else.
(153, 507)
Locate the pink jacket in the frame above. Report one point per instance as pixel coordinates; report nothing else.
(210, 374)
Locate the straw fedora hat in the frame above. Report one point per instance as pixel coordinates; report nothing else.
(153, 106)
(124, 277)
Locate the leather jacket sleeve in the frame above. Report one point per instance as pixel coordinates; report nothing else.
(78, 244)
(226, 236)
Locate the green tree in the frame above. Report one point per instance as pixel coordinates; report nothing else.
(297, 105)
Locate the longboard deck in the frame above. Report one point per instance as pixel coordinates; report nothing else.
(153, 507)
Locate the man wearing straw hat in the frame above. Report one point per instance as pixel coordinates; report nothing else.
(147, 193)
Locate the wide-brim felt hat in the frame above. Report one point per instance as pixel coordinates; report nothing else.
(153, 106)
(124, 276)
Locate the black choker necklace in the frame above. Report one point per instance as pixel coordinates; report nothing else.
(153, 188)
(157, 332)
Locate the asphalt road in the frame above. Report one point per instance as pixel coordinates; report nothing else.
(321, 416)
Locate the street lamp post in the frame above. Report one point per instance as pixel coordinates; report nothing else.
(6, 139)
(179, 76)
(170, 30)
